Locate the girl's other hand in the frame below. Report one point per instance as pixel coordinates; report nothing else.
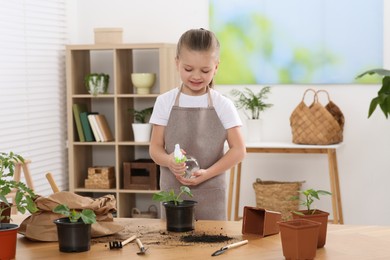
(197, 178)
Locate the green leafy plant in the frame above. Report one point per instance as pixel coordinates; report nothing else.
(24, 197)
(249, 101)
(309, 196)
(141, 116)
(167, 196)
(87, 215)
(383, 97)
(97, 83)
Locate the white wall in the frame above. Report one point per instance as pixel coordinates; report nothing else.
(364, 175)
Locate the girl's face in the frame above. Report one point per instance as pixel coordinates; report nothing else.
(196, 69)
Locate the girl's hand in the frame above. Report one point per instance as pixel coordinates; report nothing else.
(177, 169)
(197, 178)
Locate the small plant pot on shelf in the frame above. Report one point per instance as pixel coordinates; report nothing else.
(73, 237)
(299, 238)
(317, 216)
(180, 217)
(8, 233)
(142, 132)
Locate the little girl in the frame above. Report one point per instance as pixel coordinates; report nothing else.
(200, 120)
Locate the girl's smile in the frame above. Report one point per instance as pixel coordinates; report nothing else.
(197, 69)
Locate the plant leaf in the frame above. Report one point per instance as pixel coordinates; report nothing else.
(88, 216)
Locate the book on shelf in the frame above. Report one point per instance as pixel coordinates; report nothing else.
(77, 109)
(104, 128)
(94, 127)
(88, 134)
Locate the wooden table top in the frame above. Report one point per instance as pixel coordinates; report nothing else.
(343, 242)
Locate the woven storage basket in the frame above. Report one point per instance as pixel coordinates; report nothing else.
(277, 196)
(151, 213)
(316, 124)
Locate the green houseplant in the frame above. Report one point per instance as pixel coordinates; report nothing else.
(97, 83)
(252, 102)
(141, 127)
(24, 198)
(74, 230)
(313, 214)
(252, 105)
(24, 201)
(180, 214)
(383, 97)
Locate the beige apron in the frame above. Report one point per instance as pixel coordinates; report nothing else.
(201, 134)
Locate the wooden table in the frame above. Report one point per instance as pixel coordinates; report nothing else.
(290, 148)
(343, 242)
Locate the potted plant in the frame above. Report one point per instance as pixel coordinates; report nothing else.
(180, 214)
(97, 83)
(141, 127)
(383, 97)
(313, 214)
(252, 105)
(74, 230)
(24, 201)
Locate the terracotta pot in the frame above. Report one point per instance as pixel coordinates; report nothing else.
(299, 238)
(260, 221)
(319, 216)
(8, 234)
(180, 217)
(73, 237)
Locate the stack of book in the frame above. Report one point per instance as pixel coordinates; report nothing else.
(91, 126)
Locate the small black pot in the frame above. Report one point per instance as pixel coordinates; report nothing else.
(73, 237)
(180, 217)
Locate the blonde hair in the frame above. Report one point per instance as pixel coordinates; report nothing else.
(198, 40)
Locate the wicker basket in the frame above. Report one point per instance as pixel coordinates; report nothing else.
(317, 124)
(276, 196)
(151, 213)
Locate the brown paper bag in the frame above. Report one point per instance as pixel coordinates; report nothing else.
(39, 226)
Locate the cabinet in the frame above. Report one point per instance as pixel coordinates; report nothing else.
(119, 61)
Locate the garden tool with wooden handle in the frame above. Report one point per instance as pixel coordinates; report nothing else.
(52, 183)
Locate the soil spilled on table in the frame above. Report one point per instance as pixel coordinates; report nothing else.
(154, 235)
(204, 238)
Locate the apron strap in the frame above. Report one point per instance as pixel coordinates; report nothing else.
(209, 100)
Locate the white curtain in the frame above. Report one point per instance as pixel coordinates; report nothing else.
(33, 35)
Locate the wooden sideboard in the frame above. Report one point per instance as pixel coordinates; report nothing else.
(290, 148)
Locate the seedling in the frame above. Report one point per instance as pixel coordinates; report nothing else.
(166, 196)
(87, 215)
(310, 195)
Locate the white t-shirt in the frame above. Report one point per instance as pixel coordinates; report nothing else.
(224, 107)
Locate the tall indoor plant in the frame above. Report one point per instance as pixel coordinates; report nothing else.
(252, 104)
(141, 127)
(383, 97)
(24, 201)
(180, 214)
(313, 214)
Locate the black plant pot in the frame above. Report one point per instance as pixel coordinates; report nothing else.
(73, 237)
(180, 217)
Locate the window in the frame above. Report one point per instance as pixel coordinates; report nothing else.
(32, 85)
